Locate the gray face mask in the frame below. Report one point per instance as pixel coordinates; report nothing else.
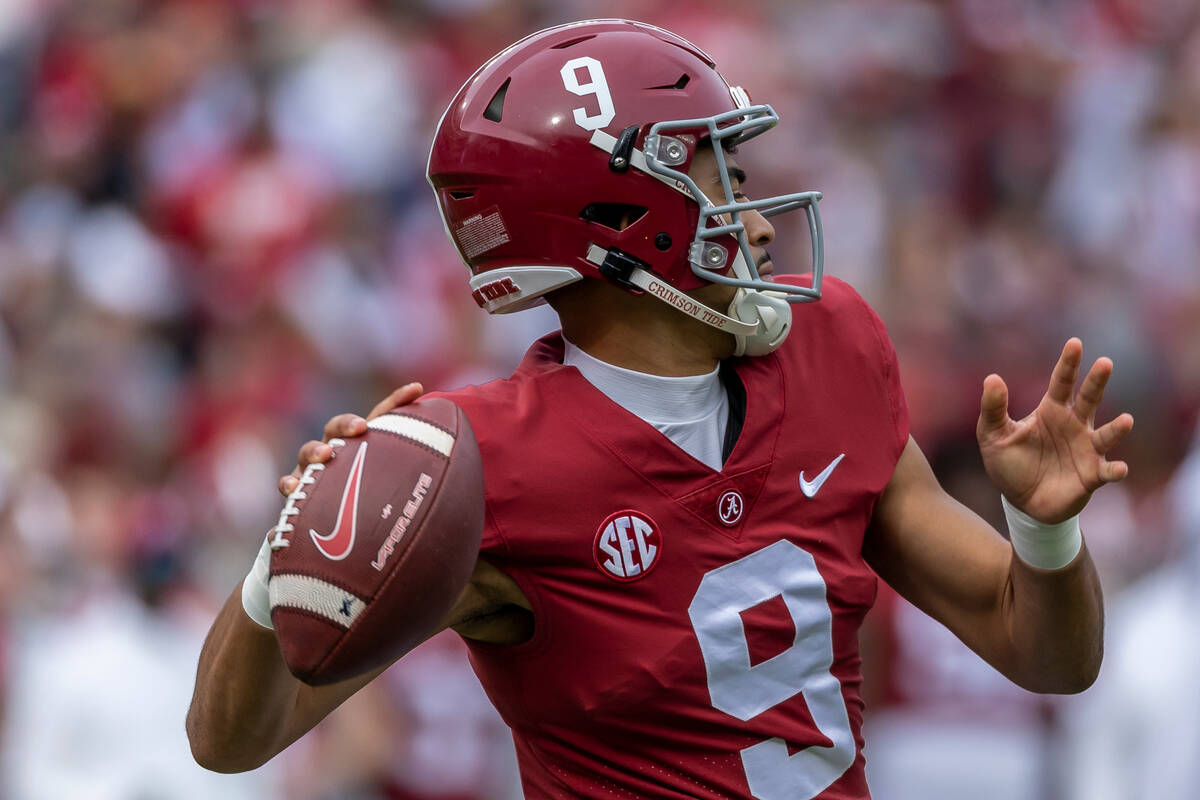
(760, 315)
(708, 258)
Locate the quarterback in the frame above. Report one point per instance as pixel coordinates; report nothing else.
(693, 488)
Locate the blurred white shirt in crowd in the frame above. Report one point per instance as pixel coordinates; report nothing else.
(1136, 735)
(962, 731)
(96, 710)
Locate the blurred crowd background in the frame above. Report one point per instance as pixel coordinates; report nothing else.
(215, 233)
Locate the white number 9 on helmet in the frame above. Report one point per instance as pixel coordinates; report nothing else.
(596, 85)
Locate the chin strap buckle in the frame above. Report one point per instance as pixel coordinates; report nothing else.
(616, 266)
(622, 152)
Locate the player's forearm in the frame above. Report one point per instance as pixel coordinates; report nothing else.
(247, 706)
(1055, 621)
(1042, 630)
(244, 695)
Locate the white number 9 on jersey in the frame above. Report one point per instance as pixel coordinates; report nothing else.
(596, 85)
(744, 691)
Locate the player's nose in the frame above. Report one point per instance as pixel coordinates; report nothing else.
(759, 231)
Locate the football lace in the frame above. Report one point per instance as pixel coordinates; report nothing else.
(284, 525)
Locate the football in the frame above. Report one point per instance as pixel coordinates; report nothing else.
(374, 547)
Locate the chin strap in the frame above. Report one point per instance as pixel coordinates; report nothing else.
(624, 271)
(758, 321)
(774, 315)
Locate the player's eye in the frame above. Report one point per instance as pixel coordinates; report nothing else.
(737, 178)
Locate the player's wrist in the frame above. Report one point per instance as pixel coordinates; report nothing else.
(1040, 545)
(256, 600)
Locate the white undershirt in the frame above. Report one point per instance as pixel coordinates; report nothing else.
(691, 411)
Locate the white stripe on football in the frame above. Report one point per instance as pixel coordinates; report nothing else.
(415, 429)
(315, 595)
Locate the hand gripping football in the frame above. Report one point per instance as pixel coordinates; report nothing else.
(374, 547)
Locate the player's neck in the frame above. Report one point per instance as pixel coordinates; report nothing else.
(643, 351)
(638, 333)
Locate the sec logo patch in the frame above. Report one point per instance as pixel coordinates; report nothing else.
(628, 545)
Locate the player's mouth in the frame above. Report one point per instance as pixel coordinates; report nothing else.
(764, 265)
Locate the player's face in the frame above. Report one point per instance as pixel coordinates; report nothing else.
(706, 172)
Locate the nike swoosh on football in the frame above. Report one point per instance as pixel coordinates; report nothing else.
(810, 488)
(337, 545)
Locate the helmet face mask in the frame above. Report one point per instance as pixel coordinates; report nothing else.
(608, 114)
(707, 258)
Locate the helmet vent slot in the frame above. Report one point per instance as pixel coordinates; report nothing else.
(614, 216)
(679, 84)
(495, 106)
(462, 194)
(573, 42)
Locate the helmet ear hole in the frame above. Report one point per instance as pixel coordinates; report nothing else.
(614, 216)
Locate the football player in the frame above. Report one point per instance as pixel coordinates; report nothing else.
(692, 487)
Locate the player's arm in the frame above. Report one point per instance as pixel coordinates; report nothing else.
(247, 706)
(1042, 628)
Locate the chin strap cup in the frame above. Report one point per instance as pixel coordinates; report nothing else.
(771, 311)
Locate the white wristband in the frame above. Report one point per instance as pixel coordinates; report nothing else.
(255, 599)
(1041, 545)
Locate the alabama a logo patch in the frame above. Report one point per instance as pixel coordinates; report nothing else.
(729, 508)
(628, 545)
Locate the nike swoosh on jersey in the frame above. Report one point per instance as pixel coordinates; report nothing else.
(337, 544)
(810, 488)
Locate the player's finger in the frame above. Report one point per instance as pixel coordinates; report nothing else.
(1062, 379)
(288, 483)
(993, 405)
(344, 425)
(1106, 437)
(1113, 471)
(400, 397)
(311, 452)
(1091, 391)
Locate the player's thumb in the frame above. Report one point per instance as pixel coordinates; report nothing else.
(406, 394)
(993, 405)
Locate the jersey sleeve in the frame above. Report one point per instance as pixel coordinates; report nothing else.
(844, 324)
(477, 403)
(492, 542)
(890, 368)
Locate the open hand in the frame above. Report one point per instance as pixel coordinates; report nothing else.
(341, 426)
(1049, 463)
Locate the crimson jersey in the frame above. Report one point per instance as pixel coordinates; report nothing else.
(695, 631)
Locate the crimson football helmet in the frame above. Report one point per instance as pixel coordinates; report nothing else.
(566, 156)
